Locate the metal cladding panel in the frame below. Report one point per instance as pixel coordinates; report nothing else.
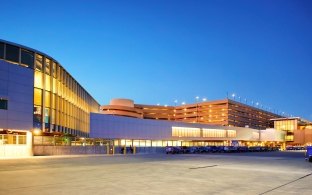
(17, 86)
(113, 127)
(118, 127)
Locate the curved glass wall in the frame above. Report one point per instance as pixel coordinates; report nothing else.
(60, 103)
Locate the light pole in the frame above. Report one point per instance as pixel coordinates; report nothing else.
(233, 95)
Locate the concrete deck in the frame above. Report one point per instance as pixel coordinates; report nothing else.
(248, 173)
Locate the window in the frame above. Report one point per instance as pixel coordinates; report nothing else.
(54, 69)
(37, 114)
(39, 64)
(38, 80)
(185, 132)
(48, 66)
(3, 104)
(47, 115)
(231, 133)
(47, 99)
(1, 50)
(27, 58)
(37, 97)
(12, 53)
(214, 133)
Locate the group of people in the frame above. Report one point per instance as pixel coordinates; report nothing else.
(128, 149)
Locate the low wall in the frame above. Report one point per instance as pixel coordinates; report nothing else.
(12, 150)
(74, 150)
(68, 150)
(142, 150)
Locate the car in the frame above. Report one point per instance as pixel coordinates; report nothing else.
(242, 149)
(173, 150)
(308, 153)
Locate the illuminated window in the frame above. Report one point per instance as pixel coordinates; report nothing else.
(47, 82)
(38, 80)
(185, 132)
(214, 133)
(289, 138)
(54, 72)
(47, 66)
(47, 99)
(39, 62)
(231, 133)
(38, 97)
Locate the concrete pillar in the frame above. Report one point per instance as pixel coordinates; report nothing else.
(29, 143)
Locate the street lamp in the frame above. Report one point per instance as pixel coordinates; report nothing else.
(175, 102)
(204, 99)
(233, 95)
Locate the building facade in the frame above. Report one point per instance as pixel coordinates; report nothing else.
(130, 131)
(220, 112)
(298, 132)
(36, 92)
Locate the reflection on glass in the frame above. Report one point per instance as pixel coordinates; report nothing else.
(12, 53)
(1, 50)
(27, 58)
(47, 115)
(39, 62)
(47, 66)
(37, 114)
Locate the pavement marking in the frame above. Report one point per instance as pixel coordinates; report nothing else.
(203, 167)
(286, 184)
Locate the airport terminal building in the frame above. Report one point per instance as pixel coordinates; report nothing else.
(38, 95)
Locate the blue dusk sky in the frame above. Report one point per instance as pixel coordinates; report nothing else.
(159, 51)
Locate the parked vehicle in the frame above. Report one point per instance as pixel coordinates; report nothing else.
(173, 150)
(308, 153)
(242, 149)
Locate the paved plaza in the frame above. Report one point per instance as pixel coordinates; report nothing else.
(246, 173)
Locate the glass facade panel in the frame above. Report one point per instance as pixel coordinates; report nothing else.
(287, 125)
(214, 133)
(185, 132)
(231, 133)
(58, 99)
(47, 115)
(47, 83)
(39, 62)
(37, 114)
(48, 66)
(1, 50)
(38, 80)
(12, 53)
(3, 104)
(27, 58)
(47, 99)
(54, 72)
(37, 97)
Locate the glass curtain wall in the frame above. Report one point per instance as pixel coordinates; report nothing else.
(60, 103)
(65, 104)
